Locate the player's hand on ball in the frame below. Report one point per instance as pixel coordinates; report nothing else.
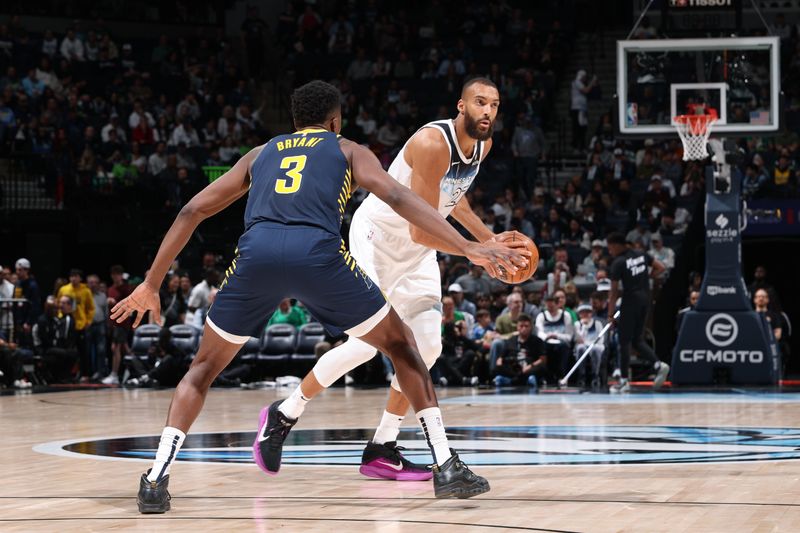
(143, 298)
(495, 257)
(520, 242)
(512, 239)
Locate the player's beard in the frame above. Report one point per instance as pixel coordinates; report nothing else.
(471, 125)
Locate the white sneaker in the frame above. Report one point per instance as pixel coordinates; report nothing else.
(111, 379)
(661, 376)
(389, 377)
(348, 379)
(474, 381)
(623, 387)
(443, 381)
(22, 384)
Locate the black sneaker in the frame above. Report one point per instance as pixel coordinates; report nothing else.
(384, 461)
(153, 496)
(273, 427)
(455, 480)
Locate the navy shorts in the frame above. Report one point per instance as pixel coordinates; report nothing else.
(276, 261)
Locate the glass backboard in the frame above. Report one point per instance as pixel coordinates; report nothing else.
(661, 78)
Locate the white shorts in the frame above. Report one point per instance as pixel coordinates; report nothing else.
(407, 273)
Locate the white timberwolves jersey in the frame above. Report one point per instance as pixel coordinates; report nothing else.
(453, 186)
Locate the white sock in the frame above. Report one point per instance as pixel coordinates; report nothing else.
(430, 420)
(294, 405)
(388, 429)
(171, 441)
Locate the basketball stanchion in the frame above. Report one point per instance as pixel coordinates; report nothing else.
(563, 381)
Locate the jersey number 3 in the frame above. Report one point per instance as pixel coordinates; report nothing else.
(294, 166)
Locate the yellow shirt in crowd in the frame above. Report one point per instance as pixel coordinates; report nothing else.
(84, 304)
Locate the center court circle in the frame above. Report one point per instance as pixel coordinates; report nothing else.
(477, 445)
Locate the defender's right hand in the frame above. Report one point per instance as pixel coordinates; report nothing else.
(491, 256)
(143, 298)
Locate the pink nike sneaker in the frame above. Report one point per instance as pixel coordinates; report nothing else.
(384, 461)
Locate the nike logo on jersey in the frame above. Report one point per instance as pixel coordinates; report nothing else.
(392, 465)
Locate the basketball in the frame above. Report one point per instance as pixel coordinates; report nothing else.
(523, 274)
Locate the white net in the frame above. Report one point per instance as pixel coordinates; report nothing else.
(694, 131)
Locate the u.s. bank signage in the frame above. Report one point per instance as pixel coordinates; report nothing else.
(476, 445)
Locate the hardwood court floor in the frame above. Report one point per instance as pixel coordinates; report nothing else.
(655, 485)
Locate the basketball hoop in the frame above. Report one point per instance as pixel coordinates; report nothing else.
(694, 131)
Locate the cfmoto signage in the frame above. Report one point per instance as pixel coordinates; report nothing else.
(722, 330)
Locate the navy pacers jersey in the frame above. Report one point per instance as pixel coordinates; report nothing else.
(300, 179)
(292, 247)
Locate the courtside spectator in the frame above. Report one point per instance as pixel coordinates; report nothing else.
(555, 327)
(120, 333)
(587, 329)
(462, 304)
(27, 288)
(83, 312)
(523, 358)
(96, 337)
(288, 313)
(55, 339)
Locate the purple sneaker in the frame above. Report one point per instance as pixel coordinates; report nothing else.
(384, 461)
(273, 427)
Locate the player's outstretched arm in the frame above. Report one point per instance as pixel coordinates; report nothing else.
(214, 198)
(369, 174)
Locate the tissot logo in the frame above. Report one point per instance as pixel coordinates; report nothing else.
(722, 221)
(722, 330)
(486, 446)
(700, 3)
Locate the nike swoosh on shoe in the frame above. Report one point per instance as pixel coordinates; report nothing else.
(392, 465)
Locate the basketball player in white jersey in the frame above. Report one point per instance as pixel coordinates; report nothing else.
(439, 163)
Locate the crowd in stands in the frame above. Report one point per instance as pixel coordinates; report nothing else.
(104, 115)
(501, 336)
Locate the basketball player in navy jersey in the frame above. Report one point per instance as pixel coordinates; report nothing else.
(298, 186)
(439, 162)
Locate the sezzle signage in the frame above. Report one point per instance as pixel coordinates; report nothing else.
(714, 290)
(722, 233)
(722, 330)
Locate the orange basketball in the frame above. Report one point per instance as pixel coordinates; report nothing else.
(522, 274)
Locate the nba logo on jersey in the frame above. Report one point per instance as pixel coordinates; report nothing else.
(632, 114)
